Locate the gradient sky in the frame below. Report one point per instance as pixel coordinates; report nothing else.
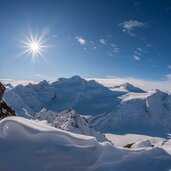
(90, 38)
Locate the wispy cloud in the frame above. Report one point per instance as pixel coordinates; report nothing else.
(169, 66)
(102, 41)
(138, 54)
(136, 57)
(80, 40)
(93, 44)
(54, 35)
(115, 48)
(140, 49)
(149, 45)
(168, 77)
(131, 25)
(45, 31)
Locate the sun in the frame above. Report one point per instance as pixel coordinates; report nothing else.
(34, 46)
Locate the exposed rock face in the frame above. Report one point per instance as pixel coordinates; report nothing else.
(2, 90)
(5, 110)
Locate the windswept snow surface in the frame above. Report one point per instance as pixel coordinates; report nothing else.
(125, 139)
(30, 146)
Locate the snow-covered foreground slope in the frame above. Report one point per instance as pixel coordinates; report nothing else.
(28, 145)
(64, 93)
(145, 113)
(69, 120)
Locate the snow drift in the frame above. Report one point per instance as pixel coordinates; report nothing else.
(28, 145)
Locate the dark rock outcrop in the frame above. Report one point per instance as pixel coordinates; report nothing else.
(128, 145)
(5, 110)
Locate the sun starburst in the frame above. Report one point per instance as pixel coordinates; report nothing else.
(34, 46)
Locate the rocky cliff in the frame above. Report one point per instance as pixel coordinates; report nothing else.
(5, 110)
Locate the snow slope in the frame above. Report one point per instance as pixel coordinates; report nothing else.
(69, 120)
(125, 139)
(145, 113)
(28, 145)
(64, 93)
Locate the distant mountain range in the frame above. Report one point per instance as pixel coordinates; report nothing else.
(123, 108)
(86, 97)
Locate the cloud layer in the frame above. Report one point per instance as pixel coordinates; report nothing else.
(111, 81)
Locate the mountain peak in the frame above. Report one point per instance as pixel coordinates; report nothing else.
(73, 78)
(9, 86)
(44, 82)
(129, 87)
(77, 77)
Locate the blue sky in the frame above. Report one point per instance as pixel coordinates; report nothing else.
(90, 38)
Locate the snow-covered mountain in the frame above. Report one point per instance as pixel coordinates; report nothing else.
(29, 145)
(111, 111)
(128, 88)
(8, 86)
(73, 92)
(145, 112)
(78, 145)
(46, 115)
(69, 120)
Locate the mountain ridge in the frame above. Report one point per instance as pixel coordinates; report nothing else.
(64, 93)
(69, 120)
